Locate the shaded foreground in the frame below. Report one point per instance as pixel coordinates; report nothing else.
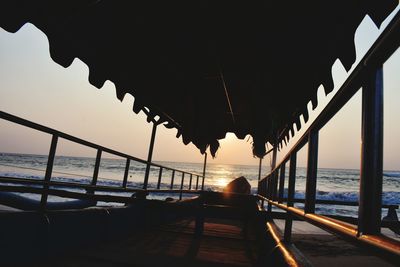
(222, 244)
(211, 230)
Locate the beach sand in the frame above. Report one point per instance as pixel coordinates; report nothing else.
(324, 249)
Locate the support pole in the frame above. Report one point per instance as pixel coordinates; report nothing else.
(125, 181)
(190, 182)
(274, 155)
(312, 165)
(96, 167)
(290, 198)
(182, 180)
(172, 179)
(259, 175)
(159, 178)
(272, 176)
(369, 212)
(281, 182)
(150, 155)
(204, 171)
(197, 182)
(95, 171)
(49, 170)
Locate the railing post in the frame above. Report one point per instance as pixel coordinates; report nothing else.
(96, 167)
(190, 181)
(204, 171)
(183, 178)
(197, 182)
(159, 178)
(369, 212)
(259, 175)
(49, 170)
(312, 165)
(125, 181)
(269, 191)
(270, 183)
(150, 155)
(292, 180)
(282, 182)
(172, 179)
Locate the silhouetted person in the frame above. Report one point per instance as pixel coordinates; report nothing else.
(239, 185)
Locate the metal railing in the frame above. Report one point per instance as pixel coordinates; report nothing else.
(367, 75)
(195, 184)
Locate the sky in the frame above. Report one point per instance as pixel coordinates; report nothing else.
(34, 87)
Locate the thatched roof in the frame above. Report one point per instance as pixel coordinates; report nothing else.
(206, 67)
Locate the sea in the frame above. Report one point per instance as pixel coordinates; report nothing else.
(332, 184)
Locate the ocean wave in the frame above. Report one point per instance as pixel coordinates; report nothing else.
(388, 197)
(391, 174)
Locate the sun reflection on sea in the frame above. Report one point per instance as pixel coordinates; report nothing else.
(222, 182)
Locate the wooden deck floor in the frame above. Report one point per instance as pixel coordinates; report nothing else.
(222, 244)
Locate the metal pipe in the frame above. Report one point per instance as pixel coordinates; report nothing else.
(150, 155)
(197, 182)
(312, 165)
(172, 179)
(204, 170)
(190, 181)
(183, 178)
(369, 212)
(271, 177)
(292, 180)
(379, 242)
(125, 181)
(49, 170)
(275, 188)
(282, 182)
(159, 178)
(96, 167)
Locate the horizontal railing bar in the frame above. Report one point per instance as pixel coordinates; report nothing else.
(39, 127)
(283, 215)
(381, 242)
(338, 202)
(85, 196)
(91, 187)
(171, 169)
(286, 253)
(21, 121)
(65, 194)
(67, 184)
(184, 191)
(388, 41)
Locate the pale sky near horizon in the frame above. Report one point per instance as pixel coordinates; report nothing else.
(36, 88)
